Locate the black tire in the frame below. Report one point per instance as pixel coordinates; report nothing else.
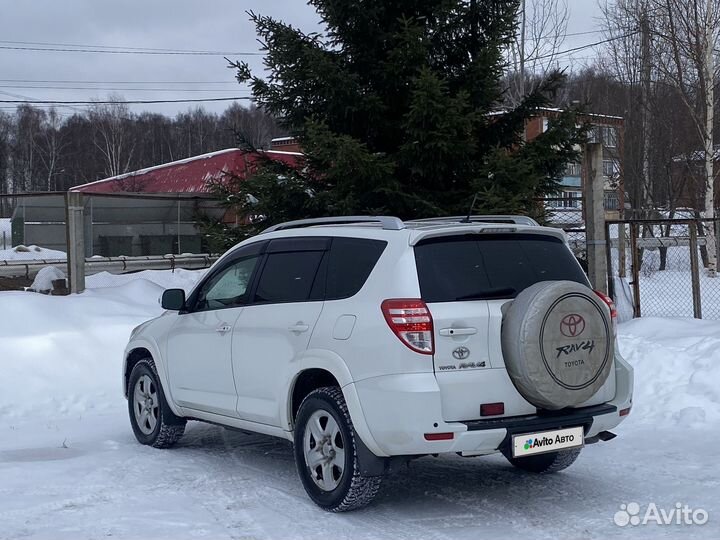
(167, 428)
(551, 462)
(353, 490)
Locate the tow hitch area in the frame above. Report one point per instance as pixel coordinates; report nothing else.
(602, 436)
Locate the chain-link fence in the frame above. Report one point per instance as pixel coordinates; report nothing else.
(120, 233)
(567, 213)
(661, 267)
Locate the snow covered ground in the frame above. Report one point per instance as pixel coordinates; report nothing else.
(70, 467)
(27, 253)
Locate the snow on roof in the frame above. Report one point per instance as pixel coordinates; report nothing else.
(190, 175)
(554, 110)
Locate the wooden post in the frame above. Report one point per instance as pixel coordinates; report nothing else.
(594, 205)
(75, 227)
(695, 272)
(635, 267)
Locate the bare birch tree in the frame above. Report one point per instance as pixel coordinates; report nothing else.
(50, 145)
(112, 137)
(625, 58)
(542, 30)
(687, 39)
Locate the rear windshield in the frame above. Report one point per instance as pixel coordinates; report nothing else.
(491, 266)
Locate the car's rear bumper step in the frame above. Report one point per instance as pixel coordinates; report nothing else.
(544, 420)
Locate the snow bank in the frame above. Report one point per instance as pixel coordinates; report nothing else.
(677, 370)
(180, 278)
(25, 253)
(44, 279)
(63, 354)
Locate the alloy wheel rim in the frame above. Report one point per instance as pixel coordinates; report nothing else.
(146, 404)
(324, 449)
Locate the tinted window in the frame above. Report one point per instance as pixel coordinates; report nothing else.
(493, 266)
(288, 277)
(228, 287)
(350, 262)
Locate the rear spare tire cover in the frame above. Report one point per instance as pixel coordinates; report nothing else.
(558, 344)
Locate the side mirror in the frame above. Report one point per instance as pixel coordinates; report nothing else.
(173, 299)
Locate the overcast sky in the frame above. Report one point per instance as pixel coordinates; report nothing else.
(212, 25)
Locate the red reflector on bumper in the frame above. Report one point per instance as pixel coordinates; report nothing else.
(439, 436)
(625, 412)
(492, 409)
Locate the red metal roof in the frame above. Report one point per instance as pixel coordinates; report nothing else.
(191, 175)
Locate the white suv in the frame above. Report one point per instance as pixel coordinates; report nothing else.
(369, 341)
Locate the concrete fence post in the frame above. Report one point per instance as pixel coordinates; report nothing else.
(695, 272)
(594, 206)
(75, 227)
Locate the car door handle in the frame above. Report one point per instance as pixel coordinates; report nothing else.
(449, 332)
(223, 329)
(299, 328)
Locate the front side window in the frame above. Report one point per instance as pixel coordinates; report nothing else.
(229, 287)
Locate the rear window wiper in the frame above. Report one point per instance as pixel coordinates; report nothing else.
(490, 294)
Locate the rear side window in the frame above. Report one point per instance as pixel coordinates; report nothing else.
(349, 264)
(492, 266)
(288, 277)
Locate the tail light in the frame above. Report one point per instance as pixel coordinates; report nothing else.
(411, 321)
(613, 310)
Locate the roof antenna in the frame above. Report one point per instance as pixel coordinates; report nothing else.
(470, 211)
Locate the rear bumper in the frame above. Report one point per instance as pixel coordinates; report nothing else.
(393, 413)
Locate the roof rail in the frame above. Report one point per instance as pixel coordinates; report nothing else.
(517, 220)
(387, 222)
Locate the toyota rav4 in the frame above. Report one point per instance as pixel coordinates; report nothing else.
(369, 341)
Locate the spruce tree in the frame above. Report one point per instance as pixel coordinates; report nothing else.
(399, 110)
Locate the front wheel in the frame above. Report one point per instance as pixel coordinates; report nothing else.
(546, 463)
(326, 453)
(152, 421)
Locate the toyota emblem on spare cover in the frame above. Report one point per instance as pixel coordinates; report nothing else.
(461, 353)
(572, 325)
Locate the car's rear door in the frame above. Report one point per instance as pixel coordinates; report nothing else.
(275, 329)
(465, 279)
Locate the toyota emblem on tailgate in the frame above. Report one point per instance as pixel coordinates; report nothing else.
(461, 353)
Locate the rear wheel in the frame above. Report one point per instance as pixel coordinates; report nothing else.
(546, 463)
(153, 423)
(326, 453)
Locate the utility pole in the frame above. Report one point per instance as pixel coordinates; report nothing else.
(646, 187)
(594, 189)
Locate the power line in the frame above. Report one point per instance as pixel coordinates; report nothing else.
(95, 46)
(589, 32)
(109, 89)
(24, 97)
(583, 47)
(129, 51)
(78, 81)
(130, 102)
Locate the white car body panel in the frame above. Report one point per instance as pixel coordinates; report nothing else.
(245, 378)
(266, 353)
